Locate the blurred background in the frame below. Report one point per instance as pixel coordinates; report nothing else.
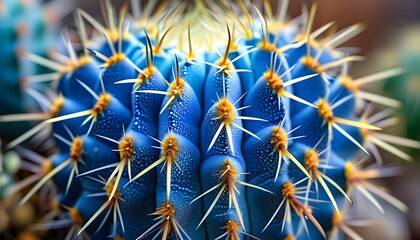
(391, 39)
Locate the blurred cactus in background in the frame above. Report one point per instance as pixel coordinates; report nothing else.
(27, 26)
(406, 87)
(207, 120)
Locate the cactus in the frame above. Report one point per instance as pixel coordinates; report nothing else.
(405, 86)
(24, 23)
(256, 136)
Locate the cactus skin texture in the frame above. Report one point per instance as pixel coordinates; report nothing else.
(251, 139)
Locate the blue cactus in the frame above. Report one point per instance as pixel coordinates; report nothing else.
(156, 141)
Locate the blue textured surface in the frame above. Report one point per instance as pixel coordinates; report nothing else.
(192, 121)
